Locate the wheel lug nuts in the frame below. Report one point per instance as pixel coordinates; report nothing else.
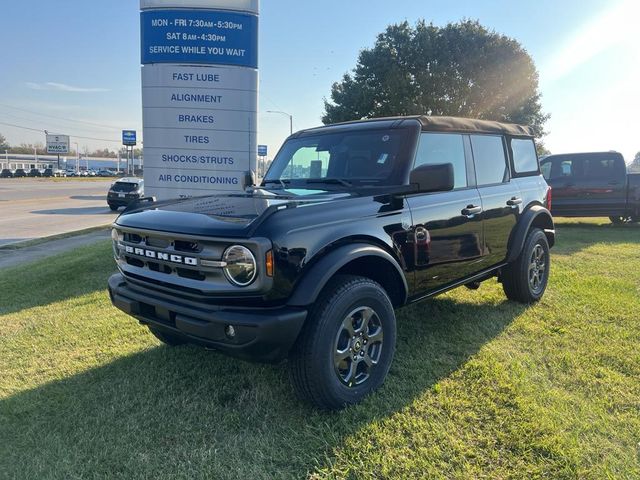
(362, 353)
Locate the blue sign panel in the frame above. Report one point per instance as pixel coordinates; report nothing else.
(128, 137)
(262, 150)
(199, 37)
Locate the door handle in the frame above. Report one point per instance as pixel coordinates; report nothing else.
(514, 201)
(471, 210)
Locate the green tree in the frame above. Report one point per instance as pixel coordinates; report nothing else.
(461, 69)
(634, 166)
(28, 148)
(3, 144)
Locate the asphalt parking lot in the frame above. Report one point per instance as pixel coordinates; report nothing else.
(35, 208)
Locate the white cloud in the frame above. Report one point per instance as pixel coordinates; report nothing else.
(63, 87)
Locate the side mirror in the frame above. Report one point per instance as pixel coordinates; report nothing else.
(247, 179)
(432, 178)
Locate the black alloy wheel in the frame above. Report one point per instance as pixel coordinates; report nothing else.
(347, 343)
(525, 279)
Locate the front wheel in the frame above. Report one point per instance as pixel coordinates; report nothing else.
(347, 345)
(113, 207)
(525, 279)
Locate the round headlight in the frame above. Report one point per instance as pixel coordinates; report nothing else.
(240, 266)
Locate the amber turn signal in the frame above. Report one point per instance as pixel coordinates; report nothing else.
(269, 263)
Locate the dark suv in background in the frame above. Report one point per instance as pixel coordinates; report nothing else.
(351, 221)
(125, 191)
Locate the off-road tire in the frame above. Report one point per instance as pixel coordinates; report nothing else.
(618, 220)
(516, 277)
(313, 366)
(167, 338)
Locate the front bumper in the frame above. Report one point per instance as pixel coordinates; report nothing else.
(261, 334)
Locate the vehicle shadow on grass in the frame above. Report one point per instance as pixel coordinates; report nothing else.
(187, 412)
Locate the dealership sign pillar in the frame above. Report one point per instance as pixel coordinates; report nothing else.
(199, 95)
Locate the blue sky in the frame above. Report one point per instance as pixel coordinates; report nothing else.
(79, 60)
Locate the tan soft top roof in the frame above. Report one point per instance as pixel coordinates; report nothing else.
(431, 123)
(455, 124)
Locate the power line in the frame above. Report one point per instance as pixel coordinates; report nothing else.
(50, 124)
(74, 136)
(101, 125)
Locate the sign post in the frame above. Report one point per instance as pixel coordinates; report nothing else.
(129, 141)
(199, 95)
(262, 154)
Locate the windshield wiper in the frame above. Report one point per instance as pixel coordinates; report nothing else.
(334, 181)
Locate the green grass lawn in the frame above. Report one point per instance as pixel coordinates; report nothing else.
(480, 387)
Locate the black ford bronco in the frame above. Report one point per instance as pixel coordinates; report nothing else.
(350, 222)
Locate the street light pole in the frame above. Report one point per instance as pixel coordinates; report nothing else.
(286, 114)
(77, 157)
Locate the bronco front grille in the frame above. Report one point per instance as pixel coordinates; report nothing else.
(172, 256)
(185, 263)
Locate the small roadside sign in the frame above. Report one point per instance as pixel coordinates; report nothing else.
(262, 150)
(128, 137)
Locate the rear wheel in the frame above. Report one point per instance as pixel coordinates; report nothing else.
(347, 345)
(525, 279)
(167, 338)
(619, 220)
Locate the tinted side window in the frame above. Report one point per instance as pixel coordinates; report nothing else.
(524, 155)
(562, 168)
(600, 168)
(489, 158)
(436, 148)
(545, 168)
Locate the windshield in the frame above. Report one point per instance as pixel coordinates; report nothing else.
(362, 157)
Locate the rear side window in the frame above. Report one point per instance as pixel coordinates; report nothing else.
(600, 168)
(437, 148)
(525, 159)
(489, 158)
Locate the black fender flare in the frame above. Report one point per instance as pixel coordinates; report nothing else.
(537, 214)
(313, 281)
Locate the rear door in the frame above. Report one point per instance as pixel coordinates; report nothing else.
(446, 226)
(501, 199)
(603, 184)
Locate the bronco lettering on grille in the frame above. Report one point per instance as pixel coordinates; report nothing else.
(173, 258)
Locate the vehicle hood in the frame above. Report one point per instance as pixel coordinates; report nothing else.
(229, 215)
